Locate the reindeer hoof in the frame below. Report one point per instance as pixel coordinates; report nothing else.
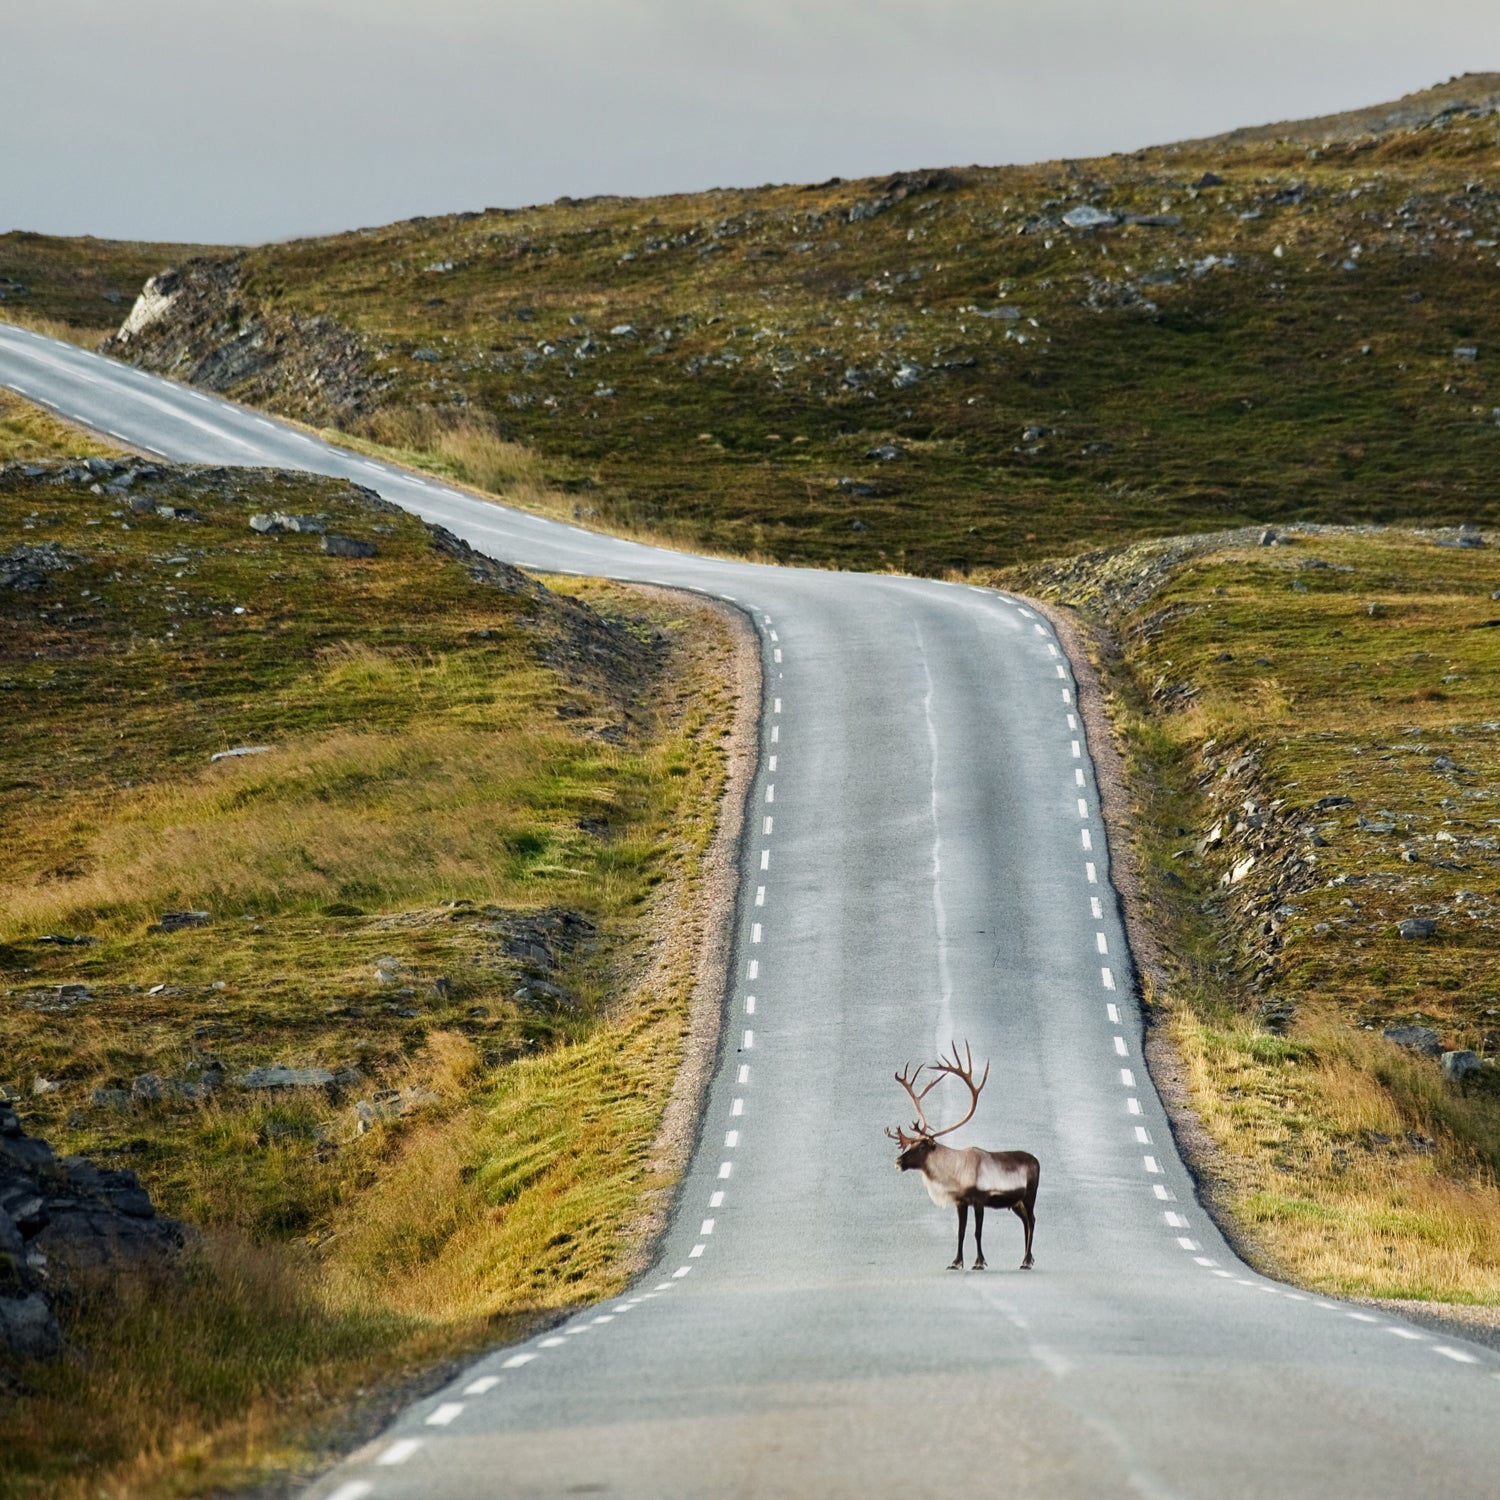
(1026, 1264)
(981, 1265)
(955, 1265)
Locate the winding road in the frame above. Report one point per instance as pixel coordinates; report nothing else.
(924, 860)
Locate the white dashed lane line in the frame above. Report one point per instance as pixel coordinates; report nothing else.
(399, 1451)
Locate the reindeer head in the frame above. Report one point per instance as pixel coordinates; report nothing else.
(919, 1145)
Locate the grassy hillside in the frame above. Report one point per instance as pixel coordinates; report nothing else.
(439, 884)
(1315, 755)
(933, 371)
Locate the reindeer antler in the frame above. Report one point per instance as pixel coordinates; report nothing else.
(908, 1080)
(964, 1072)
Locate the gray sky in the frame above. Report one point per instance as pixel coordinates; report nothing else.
(240, 120)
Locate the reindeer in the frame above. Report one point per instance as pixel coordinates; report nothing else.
(968, 1177)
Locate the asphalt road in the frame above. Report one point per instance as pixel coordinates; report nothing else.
(925, 860)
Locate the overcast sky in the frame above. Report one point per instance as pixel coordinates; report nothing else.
(245, 120)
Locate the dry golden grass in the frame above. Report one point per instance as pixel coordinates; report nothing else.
(424, 752)
(29, 432)
(1256, 686)
(1320, 1196)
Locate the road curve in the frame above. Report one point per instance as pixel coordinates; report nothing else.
(924, 860)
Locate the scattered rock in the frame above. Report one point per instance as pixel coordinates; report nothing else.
(1208, 180)
(884, 453)
(287, 1078)
(177, 921)
(1086, 216)
(240, 750)
(348, 546)
(1421, 1039)
(390, 1104)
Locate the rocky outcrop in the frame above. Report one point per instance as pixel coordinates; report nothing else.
(60, 1219)
(200, 324)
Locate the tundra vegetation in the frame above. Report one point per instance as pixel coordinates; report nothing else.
(401, 1055)
(930, 372)
(1312, 738)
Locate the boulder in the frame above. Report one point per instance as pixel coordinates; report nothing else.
(1421, 1039)
(1458, 1065)
(59, 1217)
(1416, 927)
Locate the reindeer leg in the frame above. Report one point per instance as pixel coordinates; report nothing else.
(979, 1261)
(1028, 1221)
(957, 1263)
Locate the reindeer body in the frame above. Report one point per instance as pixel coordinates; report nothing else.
(968, 1177)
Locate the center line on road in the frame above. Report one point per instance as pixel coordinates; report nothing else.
(771, 792)
(1060, 670)
(776, 654)
(749, 1005)
(706, 1227)
(1127, 1078)
(1077, 749)
(696, 1251)
(749, 1041)
(517, 1360)
(1107, 978)
(731, 1139)
(1088, 842)
(724, 1169)
(755, 932)
(754, 969)
(738, 1107)
(1121, 1048)
(1132, 1106)
(1461, 1355)
(1163, 1192)
(1151, 1164)
(1095, 908)
(765, 859)
(744, 1075)
(1113, 1012)
(716, 1200)
(776, 734)
(1083, 808)
(776, 705)
(766, 829)
(1078, 776)
(1072, 722)
(1101, 942)
(354, 1489)
(772, 766)
(399, 1451)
